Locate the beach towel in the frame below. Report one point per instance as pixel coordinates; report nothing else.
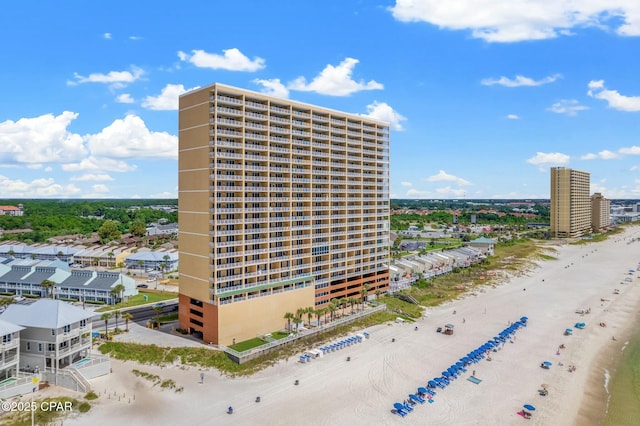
(474, 380)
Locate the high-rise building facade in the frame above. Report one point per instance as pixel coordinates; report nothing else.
(600, 212)
(570, 203)
(282, 205)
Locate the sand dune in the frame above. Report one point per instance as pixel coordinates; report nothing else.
(334, 391)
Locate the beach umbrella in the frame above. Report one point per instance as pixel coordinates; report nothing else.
(432, 383)
(422, 390)
(446, 373)
(523, 319)
(529, 407)
(548, 363)
(398, 406)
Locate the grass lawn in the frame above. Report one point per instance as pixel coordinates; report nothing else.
(248, 344)
(279, 334)
(138, 299)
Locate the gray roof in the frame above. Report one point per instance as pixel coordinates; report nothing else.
(157, 256)
(105, 280)
(54, 250)
(7, 327)
(16, 274)
(45, 313)
(39, 275)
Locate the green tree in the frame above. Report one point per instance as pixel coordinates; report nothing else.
(310, 311)
(127, 317)
(297, 321)
(289, 316)
(48, 285)
(109, 231)
(116, 315)
(105, 317)
(117, 291)
(343, 303)
(333, 307)
(138, 228)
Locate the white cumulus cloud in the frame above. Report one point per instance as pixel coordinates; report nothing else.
(513, 116)
(92, 163)
(383, 112)
(406, 184)
(569, 107)
(273, 87)
(613, 98)
(37, 188)
(92, 177)
(167, 100)
(125, 98)
(130, 138)
(42, 139)
(116, 79)
(335, 81)
(100, 188)
(443, 176)
(519, 80)
(631, 150)
(505, 21)
(544, 159)
(230, 60)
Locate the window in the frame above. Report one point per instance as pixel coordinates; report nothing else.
(83, 323)
(39, 347)
(28, 346)
(53, 331)
(51, 346)
(66, 328)
(6, 338)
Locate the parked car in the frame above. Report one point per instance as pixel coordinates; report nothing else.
(18, 298)
(143, 286)
(159, 305)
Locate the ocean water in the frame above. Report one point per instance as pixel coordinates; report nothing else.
(624, 387)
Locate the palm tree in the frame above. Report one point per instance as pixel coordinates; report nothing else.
(319, 312)
(48, 286)
(333, 306)
(110, 255)
(297, 321)
(310, 311)
(162, 268)
(289, 316)
(117, 291)
(158, 310)
(378, 294)
(11, 252)
(343, 303)
(140, 263)
(127, 317)
(166, 259)
(105, 317)
(353, 302)
(116, 315)
(300, 312)
(6, 301)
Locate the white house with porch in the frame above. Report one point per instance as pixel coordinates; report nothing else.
(56, 334)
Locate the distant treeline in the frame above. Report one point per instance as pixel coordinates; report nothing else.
(50, 218)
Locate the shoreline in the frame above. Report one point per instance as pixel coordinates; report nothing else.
(594, 407)
(397, 359)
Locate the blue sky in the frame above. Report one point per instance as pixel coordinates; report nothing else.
(482, 96)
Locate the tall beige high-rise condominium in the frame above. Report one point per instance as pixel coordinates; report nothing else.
(600, 212)
(570, 203)
(282, 206)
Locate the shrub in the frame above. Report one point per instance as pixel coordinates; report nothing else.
(83, 407)
(91, 396)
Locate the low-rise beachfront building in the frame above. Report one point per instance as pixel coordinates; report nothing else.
(9, 350)
(484, 245)
(153, 260)
(25, 278)
(56, 334)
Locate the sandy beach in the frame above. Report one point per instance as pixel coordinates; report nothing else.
(334, 391)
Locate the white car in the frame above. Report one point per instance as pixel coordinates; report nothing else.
(150, 280)
(18, 298)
